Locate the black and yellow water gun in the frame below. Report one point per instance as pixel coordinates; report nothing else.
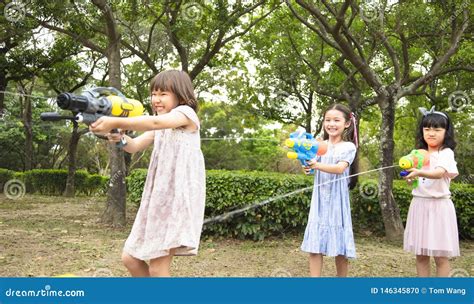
(92, 104)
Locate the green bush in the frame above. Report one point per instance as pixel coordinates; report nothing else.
(5, 176)
(94, 184)
(53, 182)
(228, 191)
(135, 185)
(463, 198)
(365, 207)
(21, 176)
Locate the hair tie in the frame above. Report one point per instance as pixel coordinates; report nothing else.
(425, 112)
(354, 121)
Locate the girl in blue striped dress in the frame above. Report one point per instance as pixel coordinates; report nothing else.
(329, 229)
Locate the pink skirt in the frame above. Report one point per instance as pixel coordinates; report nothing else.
(431, 228)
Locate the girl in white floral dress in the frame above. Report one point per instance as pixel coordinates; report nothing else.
(170, 218)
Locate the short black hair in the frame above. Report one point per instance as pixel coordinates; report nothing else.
(436, 120)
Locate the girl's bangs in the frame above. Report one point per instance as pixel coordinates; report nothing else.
(434, 121)
(162, 83)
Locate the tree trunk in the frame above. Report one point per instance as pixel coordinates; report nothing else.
(27, 118)
(390, 211)
(128, 162)
(70, 182)
(309, 117)
(3, 86)
(114, 214)
(354, 102)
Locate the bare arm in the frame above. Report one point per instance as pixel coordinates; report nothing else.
(136, 144)
(334, 169)
(139, 143)
(171, 120)
(437, 173)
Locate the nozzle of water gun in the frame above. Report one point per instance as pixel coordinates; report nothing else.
(289, 143)
(405, 163)
(292, 155)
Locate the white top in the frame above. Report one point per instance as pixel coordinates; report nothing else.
(437, 188)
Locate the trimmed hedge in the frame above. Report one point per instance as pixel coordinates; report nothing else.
(94, 184)
(53, 182)
(135, 185)
(230, 190)
(5, 176)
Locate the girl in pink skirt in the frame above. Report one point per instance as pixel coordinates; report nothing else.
(431, 228)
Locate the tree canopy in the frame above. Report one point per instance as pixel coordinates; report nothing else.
(261, 69)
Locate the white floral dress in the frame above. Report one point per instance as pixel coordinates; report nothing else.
(172, 207)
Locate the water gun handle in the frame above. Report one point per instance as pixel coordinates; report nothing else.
(122, 143)
(304, 163)
(302, 157)
(405, 173)
(416, 159)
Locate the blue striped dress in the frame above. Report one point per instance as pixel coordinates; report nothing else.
(329, 229)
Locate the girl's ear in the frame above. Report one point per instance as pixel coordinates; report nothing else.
(347, 124)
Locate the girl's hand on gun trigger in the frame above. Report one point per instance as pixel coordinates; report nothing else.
(102, 125)
(312, 164)
(414, 173)
(115, 137)
(306, 169)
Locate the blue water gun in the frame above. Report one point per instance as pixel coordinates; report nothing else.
(305, 147)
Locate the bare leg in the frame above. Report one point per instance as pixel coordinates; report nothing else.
(136, 267)
(423, 268)
(315, 264)
(442, 266)
(160, 267)
(342, 266)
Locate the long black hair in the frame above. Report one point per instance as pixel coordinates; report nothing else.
(347, 135)
(434, 120)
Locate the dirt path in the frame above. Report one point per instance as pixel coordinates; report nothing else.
(50, 236)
